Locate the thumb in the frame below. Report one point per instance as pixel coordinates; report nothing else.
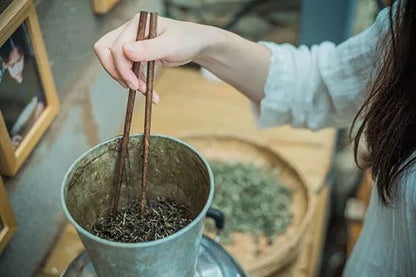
(144, 50)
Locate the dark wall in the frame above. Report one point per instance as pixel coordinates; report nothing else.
(326, 20)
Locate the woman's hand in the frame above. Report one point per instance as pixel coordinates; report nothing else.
(177, 43)
(237, 61)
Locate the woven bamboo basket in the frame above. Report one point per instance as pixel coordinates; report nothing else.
(271, 258)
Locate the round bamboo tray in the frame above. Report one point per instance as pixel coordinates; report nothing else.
(261, 259)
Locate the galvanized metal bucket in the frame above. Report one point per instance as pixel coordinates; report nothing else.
(176, 171)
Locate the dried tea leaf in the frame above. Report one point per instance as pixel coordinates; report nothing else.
(251, 198)
(162, 217)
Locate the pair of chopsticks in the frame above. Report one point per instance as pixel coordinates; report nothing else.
(129, 112)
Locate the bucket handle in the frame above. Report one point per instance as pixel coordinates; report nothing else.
(219, 218)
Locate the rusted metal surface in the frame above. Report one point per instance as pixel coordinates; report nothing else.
(176, 171)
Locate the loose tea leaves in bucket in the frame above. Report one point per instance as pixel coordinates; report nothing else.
(252, 199)
(161, 218)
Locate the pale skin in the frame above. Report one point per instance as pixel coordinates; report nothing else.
(237, 61)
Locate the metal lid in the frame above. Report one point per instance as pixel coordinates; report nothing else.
(213, 261)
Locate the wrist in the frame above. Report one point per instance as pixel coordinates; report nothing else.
(213, 41)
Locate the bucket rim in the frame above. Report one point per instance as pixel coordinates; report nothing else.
(173, 236)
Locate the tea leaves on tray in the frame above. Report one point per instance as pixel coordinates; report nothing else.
(251, 198)
(162, 217)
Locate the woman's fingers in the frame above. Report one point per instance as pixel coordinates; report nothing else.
(143, 88)
(103, 53)
(151, 49)
(118, 49)
(176, 44)
(146, 50)
(156, 97)
(123, 65)
(106, 60)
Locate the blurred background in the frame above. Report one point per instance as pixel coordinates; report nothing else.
(92, 110)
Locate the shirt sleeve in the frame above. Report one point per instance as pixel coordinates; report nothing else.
(321, 86)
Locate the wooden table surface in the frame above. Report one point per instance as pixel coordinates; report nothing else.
(189, 103)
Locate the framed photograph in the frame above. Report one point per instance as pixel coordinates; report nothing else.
(103, 6)
(8, 224)
(28, 98)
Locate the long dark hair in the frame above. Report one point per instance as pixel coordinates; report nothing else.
(389, 112)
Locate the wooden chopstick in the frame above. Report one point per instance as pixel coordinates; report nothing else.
(129, 112)
(148, 112)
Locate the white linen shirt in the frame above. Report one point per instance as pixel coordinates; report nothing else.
(324, 86)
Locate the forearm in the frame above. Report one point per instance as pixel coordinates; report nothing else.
(237, 61)
(242, 63)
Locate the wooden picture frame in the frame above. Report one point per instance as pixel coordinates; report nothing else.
(21, 15)
(103, 6)
(4, 4)
(8, 225)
